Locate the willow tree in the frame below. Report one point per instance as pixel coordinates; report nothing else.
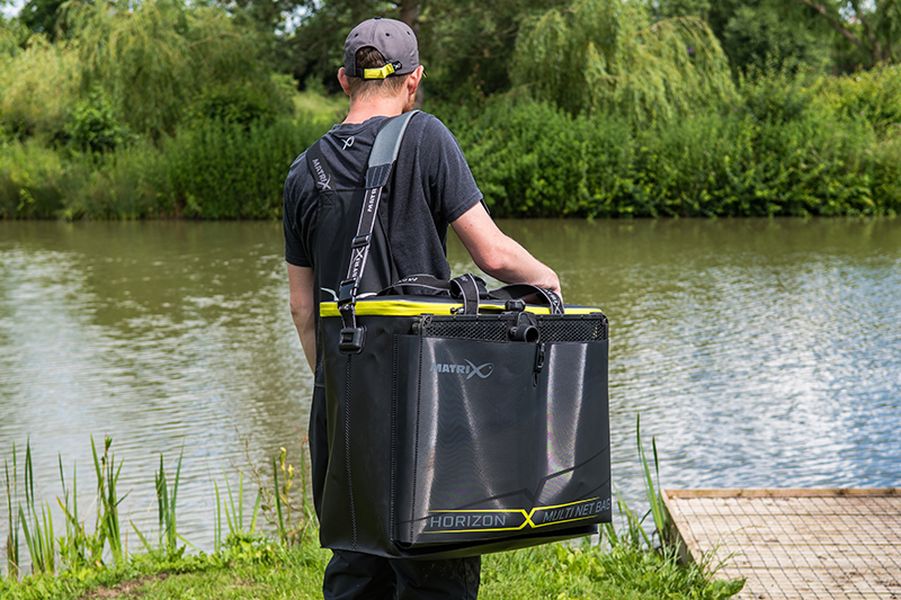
(611, 56)
(156, 58)
(37, 86)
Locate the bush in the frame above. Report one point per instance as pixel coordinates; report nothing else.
(34, 181)
(93, 127)
(131, 183)
(532, 159)
(772, 155)
(873, 96)
(886, 158)
(697, 167)
(226, 171)
(212, 171)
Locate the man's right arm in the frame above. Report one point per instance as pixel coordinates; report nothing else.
(499, 255)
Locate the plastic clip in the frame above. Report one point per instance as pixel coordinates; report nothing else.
(515, 305)
(351, 341)
(347, 289)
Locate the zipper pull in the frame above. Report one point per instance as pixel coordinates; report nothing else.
(539, 361)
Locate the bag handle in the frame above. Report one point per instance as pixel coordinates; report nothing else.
(467, 287)
(531, 294)
(381, 161)
(472, 290)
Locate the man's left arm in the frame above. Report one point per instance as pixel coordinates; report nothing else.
(303, 306)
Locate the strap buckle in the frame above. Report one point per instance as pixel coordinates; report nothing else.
(347, 291)
(351, 340)
(361, 240)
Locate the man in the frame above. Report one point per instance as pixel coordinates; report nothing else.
(431, 187)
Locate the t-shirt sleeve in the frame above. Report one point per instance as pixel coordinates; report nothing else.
(453, 186)
(295, 250)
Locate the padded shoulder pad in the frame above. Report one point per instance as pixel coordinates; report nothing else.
(387, 142)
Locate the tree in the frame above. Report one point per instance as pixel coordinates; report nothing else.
(42, 16)
(771, 34)
(467, 45)
(161, 60)
(316, 45)
(873, 27)
(610, 56)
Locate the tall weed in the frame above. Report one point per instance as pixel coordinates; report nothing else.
(12, 517)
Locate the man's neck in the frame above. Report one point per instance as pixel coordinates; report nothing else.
(374, 106)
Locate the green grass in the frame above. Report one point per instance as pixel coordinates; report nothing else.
(265, 569)
(321, 105)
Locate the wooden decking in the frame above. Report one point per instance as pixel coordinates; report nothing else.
(795, 543)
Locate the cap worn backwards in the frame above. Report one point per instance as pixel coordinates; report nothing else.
(394, 39)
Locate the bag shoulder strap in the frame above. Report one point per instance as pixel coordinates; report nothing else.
(381, 161)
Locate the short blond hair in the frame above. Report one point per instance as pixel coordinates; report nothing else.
(370, 58)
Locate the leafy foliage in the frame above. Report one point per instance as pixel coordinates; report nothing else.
(608, 56)
(42, 16)
(38, 87)
(153, 60)
(771, 34)
(778, 152)
(93, 126)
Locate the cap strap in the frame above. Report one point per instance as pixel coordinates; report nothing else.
(382, 72)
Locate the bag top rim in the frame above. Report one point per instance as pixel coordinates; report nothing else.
(411, 306)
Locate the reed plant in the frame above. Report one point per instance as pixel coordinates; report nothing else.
(12, 536)
(634, 533)
(166, 502)
(76, 548)
(108, 500)
(234, 514)
(37, 529)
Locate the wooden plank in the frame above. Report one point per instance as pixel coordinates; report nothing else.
(794, 543)
(781, 492)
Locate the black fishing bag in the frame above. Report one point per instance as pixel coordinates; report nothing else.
(460, 421)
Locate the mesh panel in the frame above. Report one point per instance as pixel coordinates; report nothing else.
(579, 328)
(494, 328)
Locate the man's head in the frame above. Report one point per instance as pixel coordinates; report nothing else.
(381, 58)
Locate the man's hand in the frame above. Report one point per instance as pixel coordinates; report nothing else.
(301, 285)
(499, 255)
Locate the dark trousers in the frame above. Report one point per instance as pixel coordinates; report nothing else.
(357, 576)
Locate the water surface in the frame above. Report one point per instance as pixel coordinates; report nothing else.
(759, 352)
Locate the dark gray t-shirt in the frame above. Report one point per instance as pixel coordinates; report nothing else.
(431, 186)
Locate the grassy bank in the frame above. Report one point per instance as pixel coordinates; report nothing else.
(264, 570)
(269, 548)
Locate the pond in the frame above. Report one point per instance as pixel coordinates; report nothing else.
(758, 352)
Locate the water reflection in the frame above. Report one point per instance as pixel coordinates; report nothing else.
(759, 352)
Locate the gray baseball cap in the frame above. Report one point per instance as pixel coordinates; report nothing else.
(394, 39)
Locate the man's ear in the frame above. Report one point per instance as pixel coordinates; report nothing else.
(413, 80)
(342, 80)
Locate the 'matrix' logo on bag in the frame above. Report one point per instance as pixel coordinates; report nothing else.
(470, 370)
